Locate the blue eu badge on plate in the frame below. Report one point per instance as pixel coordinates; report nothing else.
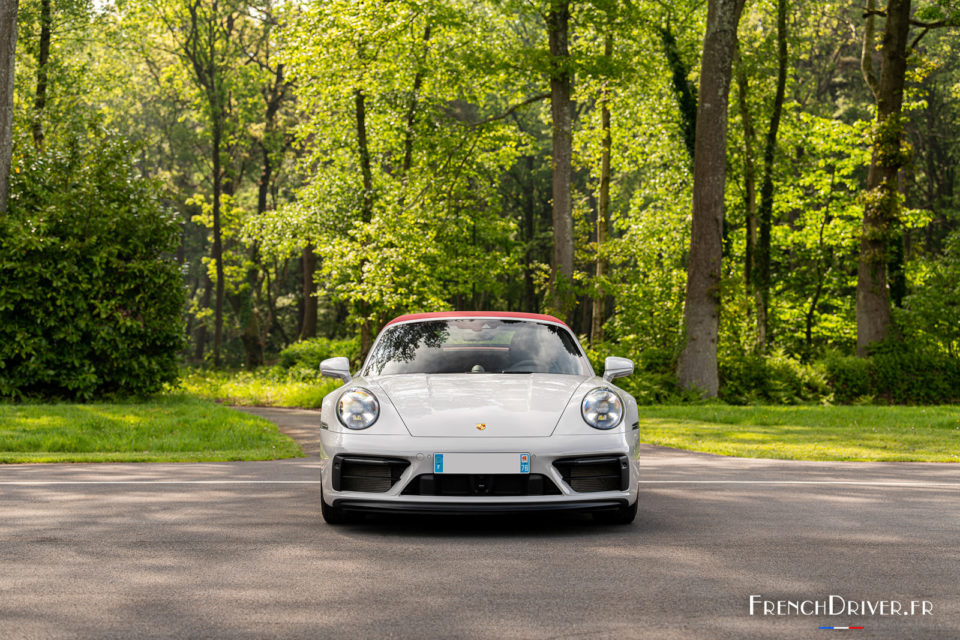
(438, 463)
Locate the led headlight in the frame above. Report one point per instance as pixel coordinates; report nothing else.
(602, 409)
(357, 408)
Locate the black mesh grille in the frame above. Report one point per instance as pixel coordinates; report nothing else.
(603, 473)
(371, 475)
(490, 484)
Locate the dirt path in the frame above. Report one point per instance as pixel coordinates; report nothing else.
(303, 425)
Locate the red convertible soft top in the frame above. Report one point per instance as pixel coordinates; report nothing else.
(477, 314)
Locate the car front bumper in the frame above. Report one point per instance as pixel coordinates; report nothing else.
(418, 453)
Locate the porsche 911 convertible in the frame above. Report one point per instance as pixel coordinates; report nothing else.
(478, 412)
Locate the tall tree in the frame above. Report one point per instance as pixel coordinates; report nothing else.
(765, 210)
(8, 46)
(882, 206)
(561, 111)
(749, 184)
(697, 367)
(685, 90)
(603, 205)
(205, 34)
(275, 91)
(43, 63)
(308, 327)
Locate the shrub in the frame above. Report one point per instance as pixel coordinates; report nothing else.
(90, 302)
(849, 377)
(308, 354)
(932, 312)
(905, 374)
(777, 379)
(895, 372)
(653, 380)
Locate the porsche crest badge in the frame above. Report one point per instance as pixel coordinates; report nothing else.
(481, 426)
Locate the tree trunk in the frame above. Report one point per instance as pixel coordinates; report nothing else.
(309, 327)
(8, 46)
(765, 212)
(603, 210)
(366, 209)
(201, 345)
(252, 346)
(750, 188)
(697, 367)
(40, 100)
(411, 117)
(684, 90)
(253, 330)
(529, 227)
(882, 204)
(561, 110)
(217, 250)
(366, 205)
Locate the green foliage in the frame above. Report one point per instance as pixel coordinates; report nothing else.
(895, 373)
(268, 386)
(90, 301)
(308, 354)
(901, 373)
(445, 203)
(849, 377)
(775, 379)
(653, 380)
(932, 312)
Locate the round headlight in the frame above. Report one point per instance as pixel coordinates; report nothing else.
(602, 409)
(357, 408)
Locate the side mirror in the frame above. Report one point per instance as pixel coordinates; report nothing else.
(340, 368)
(614, 367)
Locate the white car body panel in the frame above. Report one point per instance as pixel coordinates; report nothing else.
(451, 405)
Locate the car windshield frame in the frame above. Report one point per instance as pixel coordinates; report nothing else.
(495, 345)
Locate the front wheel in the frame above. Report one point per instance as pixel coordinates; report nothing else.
(620, 515)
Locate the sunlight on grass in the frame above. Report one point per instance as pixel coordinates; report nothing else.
(171, 428)
(257, 388)
(930, 434)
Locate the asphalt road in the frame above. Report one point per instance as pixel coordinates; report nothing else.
(238, 550)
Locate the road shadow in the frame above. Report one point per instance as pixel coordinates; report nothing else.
(526, 525)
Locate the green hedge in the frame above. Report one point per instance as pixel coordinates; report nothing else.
(308, 354)
(90, 300)
(773, 379)
(894, 373)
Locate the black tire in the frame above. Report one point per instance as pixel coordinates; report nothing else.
(332, 515)
(621, 515)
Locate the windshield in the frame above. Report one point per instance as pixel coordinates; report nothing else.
(476, 345)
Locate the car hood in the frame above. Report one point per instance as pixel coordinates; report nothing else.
(455, 405)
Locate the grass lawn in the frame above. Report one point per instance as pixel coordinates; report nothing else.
(256, 389)
(171, 428)
(927, 434)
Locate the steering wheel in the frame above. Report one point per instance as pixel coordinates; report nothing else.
(517, 367)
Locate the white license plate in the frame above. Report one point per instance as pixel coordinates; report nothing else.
(481, 463)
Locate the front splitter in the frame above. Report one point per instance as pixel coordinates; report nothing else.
(375, 506)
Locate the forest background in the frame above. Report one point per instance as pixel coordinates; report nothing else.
(232, 184)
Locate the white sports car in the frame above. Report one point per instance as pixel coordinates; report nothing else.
(477, 412)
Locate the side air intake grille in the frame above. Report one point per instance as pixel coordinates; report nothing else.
(598, 473)
(370, 475)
